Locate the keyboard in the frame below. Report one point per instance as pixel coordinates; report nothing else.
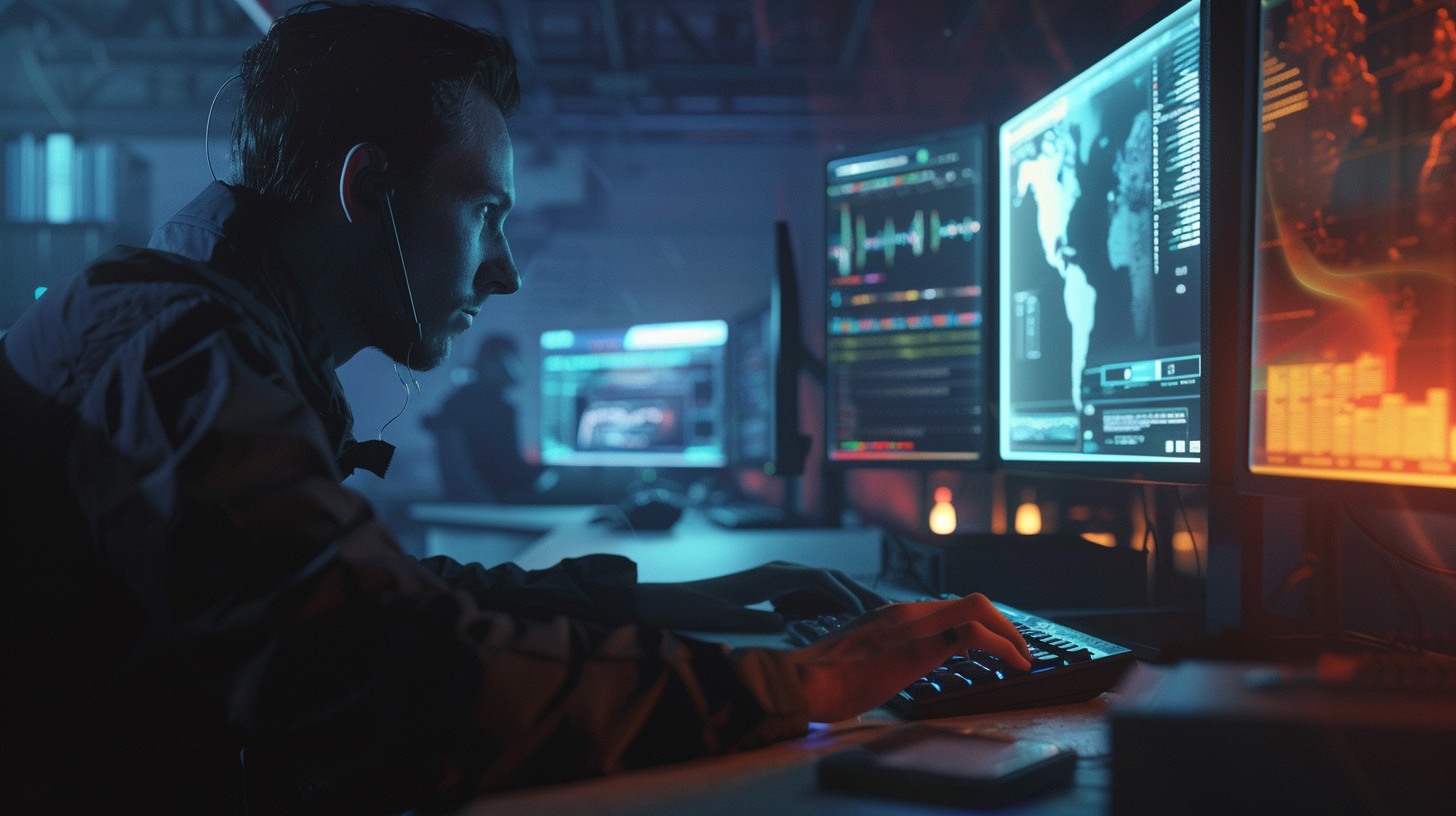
(1067, 666)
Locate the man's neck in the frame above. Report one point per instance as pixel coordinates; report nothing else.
(326, 270)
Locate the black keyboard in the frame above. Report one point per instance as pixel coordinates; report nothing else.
(1067, 666)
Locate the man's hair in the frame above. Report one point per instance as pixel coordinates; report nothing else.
(328, 76)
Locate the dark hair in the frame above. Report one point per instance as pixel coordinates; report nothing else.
(326, 77)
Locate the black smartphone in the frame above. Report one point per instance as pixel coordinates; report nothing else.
(929, 764)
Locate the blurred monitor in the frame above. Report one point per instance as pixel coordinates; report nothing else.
(1352, 362)
(651, 395)
(906, 272)
(1103, 272)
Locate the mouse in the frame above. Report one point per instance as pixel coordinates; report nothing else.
(651, 509)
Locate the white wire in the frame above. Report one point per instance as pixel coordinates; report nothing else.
(207, 127)
(402, 382)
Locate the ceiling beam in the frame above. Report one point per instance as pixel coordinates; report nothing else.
(255, 11)
(857, 28)
(612, 33)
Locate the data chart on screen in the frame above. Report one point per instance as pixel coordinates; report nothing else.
(1101, 267)
(1354, 335)
(906, 271)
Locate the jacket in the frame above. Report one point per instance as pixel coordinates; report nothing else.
(199, 617)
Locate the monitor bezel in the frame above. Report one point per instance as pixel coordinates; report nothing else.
(1246, 481)
(987, 249)
(1215, 430)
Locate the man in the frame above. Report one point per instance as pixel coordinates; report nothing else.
(200, 619)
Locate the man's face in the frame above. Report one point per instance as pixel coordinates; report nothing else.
(450, 224)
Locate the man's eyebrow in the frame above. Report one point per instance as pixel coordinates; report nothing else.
(506, 199)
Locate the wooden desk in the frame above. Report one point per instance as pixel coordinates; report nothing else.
(779, 778)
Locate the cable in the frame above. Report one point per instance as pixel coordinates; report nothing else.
(207, 127)
(1156, 549)
(402, 408)
(1187, 525)
(1402, 555)
(1303, 570)
(1402, 587)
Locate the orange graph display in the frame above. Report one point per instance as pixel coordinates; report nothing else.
(1354, 365)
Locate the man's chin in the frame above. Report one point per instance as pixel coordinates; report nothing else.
(421, 356)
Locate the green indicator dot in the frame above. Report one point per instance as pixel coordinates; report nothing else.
(649, 476)
(768, 468)
(922, 155)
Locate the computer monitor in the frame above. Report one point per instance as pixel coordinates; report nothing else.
(766, 357)
(652, 395)
(1104, 274)
(906, 378)
(1350, 365)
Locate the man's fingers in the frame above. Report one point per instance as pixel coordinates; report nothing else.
(867, 597)
(929, 617)
(994, 644)
(938, 646)
(997, 622)
(840, 591)
(908, 622)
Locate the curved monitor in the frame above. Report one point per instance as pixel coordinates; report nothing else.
(906, 374)
(1103, 274)
(1351, 364)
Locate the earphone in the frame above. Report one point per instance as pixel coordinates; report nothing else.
(373, 181)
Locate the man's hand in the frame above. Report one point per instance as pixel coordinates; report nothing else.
(864, 664)
(720, 604)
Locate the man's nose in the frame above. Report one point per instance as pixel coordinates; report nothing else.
(498, 276)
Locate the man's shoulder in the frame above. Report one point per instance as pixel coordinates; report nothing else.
(131, 302)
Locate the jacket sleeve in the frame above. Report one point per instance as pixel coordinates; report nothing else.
(383, 682)
(594, 587)
(360, 679)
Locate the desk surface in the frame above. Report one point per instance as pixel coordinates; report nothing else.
(779, 778)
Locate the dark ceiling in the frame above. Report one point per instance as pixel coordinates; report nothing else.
(132, 67)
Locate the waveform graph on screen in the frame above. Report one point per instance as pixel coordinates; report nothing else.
(905, 267)
(1354, 363)
(852, 250)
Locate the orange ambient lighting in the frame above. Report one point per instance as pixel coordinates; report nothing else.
(1028, 518)
(942, 515)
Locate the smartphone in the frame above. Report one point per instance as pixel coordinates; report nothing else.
(929, 764)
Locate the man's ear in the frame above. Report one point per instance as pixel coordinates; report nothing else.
(363, 171)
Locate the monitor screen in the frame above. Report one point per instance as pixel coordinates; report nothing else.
(750, 340)
(906, 270)
(648, 396)
(1102, 272)
(1353, 363)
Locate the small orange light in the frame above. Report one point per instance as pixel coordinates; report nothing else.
(943, 514)
(1028, 518)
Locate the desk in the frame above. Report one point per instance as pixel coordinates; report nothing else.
(694, 547)
(779, 778)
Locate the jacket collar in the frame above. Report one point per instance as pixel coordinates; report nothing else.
(235, 232)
